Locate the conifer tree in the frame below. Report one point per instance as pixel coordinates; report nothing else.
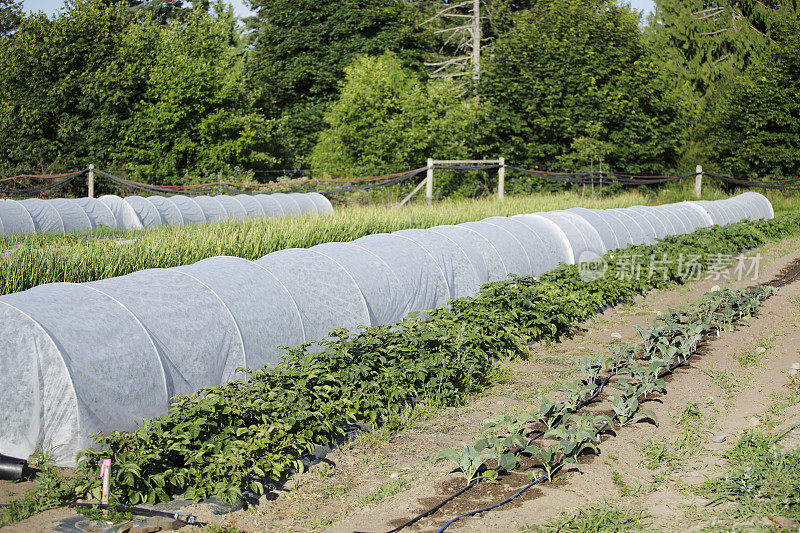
(704, 41)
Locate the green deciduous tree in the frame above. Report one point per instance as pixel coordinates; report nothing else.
(387, 116)
(111, 86)
(10, 16)
(756, 118)
(62, 100)
(571, 66)
(195, 112)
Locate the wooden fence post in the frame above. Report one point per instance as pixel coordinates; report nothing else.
(90, 181)
(501, 179)
(698, 181)
(601, 179)
(429, 181)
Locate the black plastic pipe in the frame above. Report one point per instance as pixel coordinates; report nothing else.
(11, 468)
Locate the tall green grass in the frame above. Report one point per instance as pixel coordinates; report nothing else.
(36, 259)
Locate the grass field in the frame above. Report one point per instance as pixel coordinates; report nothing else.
(36, 259)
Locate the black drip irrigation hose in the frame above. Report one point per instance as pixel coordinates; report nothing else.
(140, 511)
(786, 280)
(188, 519)
(498, 504)
(436, 507)
(474, 482)
(520, 491)
(535, 436)
(583, 403)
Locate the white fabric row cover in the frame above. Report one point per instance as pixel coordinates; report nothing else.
(84, 358)
(63, 215)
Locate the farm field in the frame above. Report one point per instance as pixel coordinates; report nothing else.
(364, 266)
(720, 240)
(645, 479)
(37, 259)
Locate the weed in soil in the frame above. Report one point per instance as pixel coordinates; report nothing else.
(604, 517)
(730, 384)
(106, 515)
(775, 414)
(379, 494)
(213, 528)
(761, 480)
(661, 453)
(625, 489)
(406, 420)
(755, 355)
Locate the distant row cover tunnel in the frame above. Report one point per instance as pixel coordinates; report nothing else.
(65, 215)
(85, 358)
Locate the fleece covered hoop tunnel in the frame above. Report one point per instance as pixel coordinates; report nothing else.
(84, 358)
(66, 215)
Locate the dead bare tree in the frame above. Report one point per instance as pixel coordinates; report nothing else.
(464, 38)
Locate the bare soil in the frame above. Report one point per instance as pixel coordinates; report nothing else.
(379, 481)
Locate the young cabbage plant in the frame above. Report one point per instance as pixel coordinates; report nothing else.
(580, 428)
(468, 459)
(587, 425)
(549, 412)
(621, 354)
(576, 392)
(548, 457)
(648, 340)
(628, 389)
(590, 367)
(510, 423)
(574, 450)
(628, 409)
(508, 461)
(499, 445)
(650, 385)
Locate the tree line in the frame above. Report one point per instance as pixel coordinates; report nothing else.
(161, 89)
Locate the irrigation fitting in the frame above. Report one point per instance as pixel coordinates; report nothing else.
(11, 468)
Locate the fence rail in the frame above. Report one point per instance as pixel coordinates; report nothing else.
(342, 185)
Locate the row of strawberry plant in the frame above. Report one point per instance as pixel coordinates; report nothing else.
(636, 372)
(223, 439)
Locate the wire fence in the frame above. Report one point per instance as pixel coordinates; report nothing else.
(45, 183)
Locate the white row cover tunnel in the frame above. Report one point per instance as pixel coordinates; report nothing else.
(63, 215)
(84, 358)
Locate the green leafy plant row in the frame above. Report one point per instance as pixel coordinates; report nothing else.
(221, 440)
(636, 372)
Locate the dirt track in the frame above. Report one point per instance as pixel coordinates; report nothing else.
(344, 493)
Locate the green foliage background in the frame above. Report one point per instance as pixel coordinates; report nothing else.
(168, 92)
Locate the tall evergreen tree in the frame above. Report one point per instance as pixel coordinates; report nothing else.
(755, 127)
(704, 41)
